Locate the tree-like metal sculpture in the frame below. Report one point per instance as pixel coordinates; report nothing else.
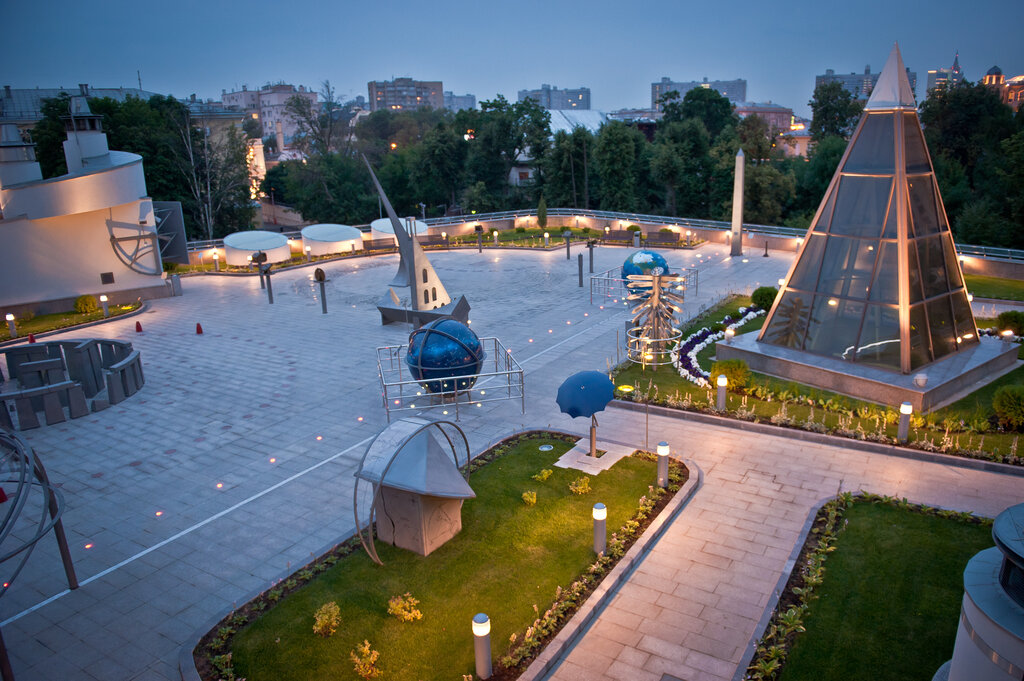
(32, 510)
(654, 334)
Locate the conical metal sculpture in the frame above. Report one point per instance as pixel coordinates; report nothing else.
(422, 297)
(877, 280)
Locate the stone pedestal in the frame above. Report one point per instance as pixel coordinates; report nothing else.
(417, 522)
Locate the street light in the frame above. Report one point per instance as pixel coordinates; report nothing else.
(722, 382)
(729, 333)
(495, 235)
(688, 235)
(546, 237)
(216, 261)
(249, 258)
(906, 409)
(10, 325)
(663, 451)
(309, 253)
(600, 514)
(106, 310)
(482, 645)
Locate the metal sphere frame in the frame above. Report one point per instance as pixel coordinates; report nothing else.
(653, 335)
(20, 465)
(469, 379)
(365, 532)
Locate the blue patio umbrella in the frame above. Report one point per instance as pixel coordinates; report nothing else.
(584, 394)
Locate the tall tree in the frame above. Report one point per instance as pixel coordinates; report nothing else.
(318, 125)
(680, 162)
(615, 156)
(712, 108)
(834, 111)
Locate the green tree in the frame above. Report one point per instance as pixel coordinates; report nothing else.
(440, 165)
(48, 134)
(567, 168)
(542, 212)
(758, 140)
(712, 108)
(681, 163)
(318, 125)
(834, 111)
(616, 156)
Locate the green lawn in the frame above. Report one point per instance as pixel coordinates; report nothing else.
(61, 320)
(994, 287)
(889, 605)
(508, 559)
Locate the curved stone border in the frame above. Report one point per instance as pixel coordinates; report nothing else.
(571, 632)
(825, 439)
(84, 325)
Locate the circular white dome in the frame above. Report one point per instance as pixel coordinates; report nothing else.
(240, 245)
(382, 228)
(324, 239)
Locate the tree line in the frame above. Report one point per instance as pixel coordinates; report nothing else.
(433, 162)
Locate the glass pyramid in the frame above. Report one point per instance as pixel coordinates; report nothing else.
(877, 280)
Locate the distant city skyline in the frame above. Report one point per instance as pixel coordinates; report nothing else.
(204, 48)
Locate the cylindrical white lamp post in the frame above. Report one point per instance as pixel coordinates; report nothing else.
(722, 382)
(547, 236)
(1007, 335)
(309, 253)
(482, 645)
(103, 302)
(729, 333)
(906, 409)
(216, 261)
(688, 235)
(495, 235)
(663, 451)
(10, 325)
(249, 259)
(600, 533)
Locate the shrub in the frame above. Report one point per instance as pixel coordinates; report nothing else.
(580, 486)
(521, 230)
(530, 498)
(736, 371)
(633, 228)
(1013, 320)
(667, 230)
(764, 296)
(1008, 403)
(404, 608)
(364, 660)
(543, 475)
(28, 315)
(86, 304)
(326, 619)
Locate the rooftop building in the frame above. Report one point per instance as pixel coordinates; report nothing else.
(1010, 90)
(268, 106)
(405, 94)
(859, 85)
(733, 90)
(945, 78)
(554, 99)
(454, 102)
(777, 116)
(23, 106)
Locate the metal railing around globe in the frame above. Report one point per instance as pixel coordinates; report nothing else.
(635, 218)
(501, 378)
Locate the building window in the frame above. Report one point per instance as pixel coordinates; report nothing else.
(424, 275)
(426, 297)
(433, 293)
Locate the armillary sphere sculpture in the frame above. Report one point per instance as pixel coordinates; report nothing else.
(654, 334)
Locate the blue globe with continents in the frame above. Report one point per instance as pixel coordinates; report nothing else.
(441, 353)
(644, 262)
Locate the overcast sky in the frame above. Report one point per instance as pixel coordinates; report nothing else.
(617, 49)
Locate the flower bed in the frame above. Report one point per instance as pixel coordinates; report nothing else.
(684, 356)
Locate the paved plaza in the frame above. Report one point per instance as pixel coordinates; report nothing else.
(233, 465)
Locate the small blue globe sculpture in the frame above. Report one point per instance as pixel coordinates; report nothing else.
(443, 351)
(644, 262)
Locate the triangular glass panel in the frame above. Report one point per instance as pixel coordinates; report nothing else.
(915, 154)
(822, 223)
(922, 204)
(933, 267)
(805, 275)
(885, 288)
(862, 204)
(872, 146)
(847, 267)
(940, 323)
(791, 317)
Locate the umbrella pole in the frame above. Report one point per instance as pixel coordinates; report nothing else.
(593, 435)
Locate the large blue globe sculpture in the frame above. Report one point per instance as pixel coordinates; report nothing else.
(644, 262)
(442, 352)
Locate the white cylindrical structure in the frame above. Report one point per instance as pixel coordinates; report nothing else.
(600, 514)
(482, 645)
(722, 383)
(240, 245)
(383, 229)
(326, 239)
(10, 325)
(737, 207)
(663, 452)
(106, 308)
(903, 432)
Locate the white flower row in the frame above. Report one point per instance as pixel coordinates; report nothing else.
(688, 366)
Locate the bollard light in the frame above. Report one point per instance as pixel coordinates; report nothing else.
(688, 234)
(106, 310)
(547, 236)
(729, 333)
(309, 253)
(495, 235)
(1007, 335)
(663, 451)
(216, 261)
(600, 514)
(722, 382)
(444, 235)
(249, 258)
(482, 645)
(906, 409)
(10, 325)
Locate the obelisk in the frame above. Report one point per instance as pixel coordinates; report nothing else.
(737, 207)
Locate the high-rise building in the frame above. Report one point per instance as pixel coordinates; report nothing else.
(945, 78)
(552, 98)
(269, 106)
(733, 90)
(405, 94)
(1010, 90)
(454, 102)
(777, 117)
(859, 85)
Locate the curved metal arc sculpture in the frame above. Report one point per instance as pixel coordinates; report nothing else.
(365, 532)
(20, 465)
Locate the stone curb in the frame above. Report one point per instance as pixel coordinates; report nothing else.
(186, 662)
(44, 334)
(580, 623)
(822, 438)
(773, 601)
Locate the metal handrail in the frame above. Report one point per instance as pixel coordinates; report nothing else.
(765, 230)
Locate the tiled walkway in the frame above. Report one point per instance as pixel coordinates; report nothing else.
(215, 478)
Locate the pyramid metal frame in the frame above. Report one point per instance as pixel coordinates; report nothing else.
(923, 313)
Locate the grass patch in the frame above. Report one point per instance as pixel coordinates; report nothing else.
(507, 562)
(995, 287)
(888, 607)
(61, 320)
